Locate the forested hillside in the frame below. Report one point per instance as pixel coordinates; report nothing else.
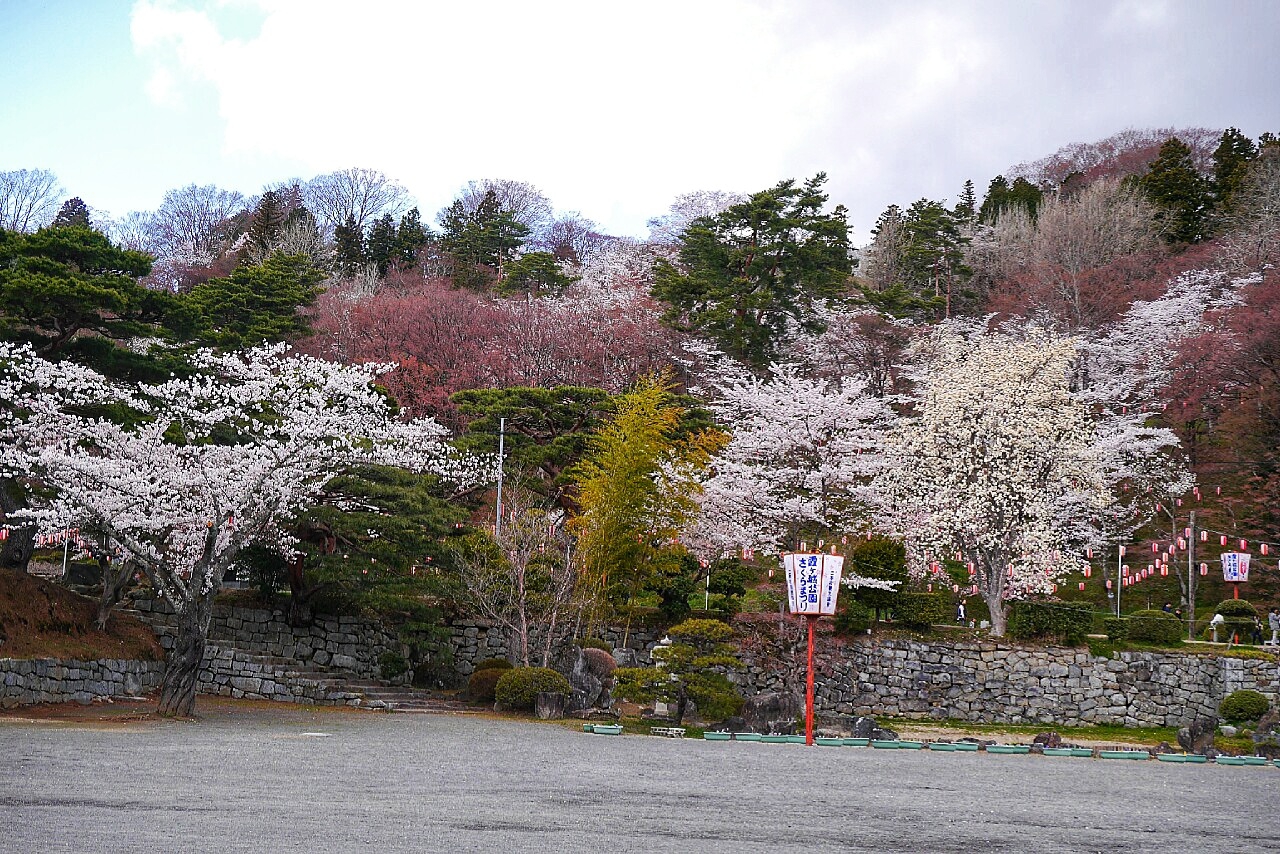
(1007, 385)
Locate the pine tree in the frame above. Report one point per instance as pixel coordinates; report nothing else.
(265, 226)
(411, 237)
(966, 210)
(349, 247)
(380, 247)
(73, 212)
(1175, 187)
(1231, 161)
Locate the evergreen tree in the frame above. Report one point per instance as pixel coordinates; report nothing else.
(380, 247)
(349, 248)
(257, 304)
(265, 226)
(1175, 187)
(73, 212)
(749, 272)
(482, 241)
(966, 210)
(411, 237)
(535, 274)
(1001, 195)
(1231, 161)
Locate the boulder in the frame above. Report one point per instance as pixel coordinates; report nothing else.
(1267, 737)
(866, 727)
(549, 705)
(772, 711)
(1047, 739)
(1197, 737)
(591, 678)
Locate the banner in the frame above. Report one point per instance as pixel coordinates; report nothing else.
(1235, 567)
(813, 582)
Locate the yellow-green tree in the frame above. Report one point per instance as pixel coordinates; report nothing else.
(637, 487)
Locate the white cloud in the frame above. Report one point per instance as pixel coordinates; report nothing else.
(615, 108)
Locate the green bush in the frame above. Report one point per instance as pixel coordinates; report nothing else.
(921, 610)
(595, 643)
(853, 619)
(518, 688)
(494, 664)
(1117, 629)
(1154, 627)
(1065, 621)
(1243, 706)
(392, 665)
(1239, 616)
(480, 686)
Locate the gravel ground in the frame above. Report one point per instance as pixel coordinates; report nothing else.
(290, 780)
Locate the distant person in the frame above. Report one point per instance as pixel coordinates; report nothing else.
(960, 613)
(1256, 640)
(1215, 623)
(1168, 609)
(1273, 621)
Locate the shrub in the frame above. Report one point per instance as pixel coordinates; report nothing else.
(494, 664)
(1239, 616)
(519, 687)
(1244, 705)
(1117, 629)
(1068, 621)
(853, 619)
(1154, 627)
(392, 665)
(599, 663)
(594, 643)
(921, 610)
(481, 685)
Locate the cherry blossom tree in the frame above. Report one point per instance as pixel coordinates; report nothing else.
(799, 464)
(1007, 465)
(207, 464)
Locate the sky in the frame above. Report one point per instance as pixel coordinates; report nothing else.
(611, 109)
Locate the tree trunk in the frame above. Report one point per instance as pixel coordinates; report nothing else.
(299, 596)
(182, 665)
(999, 609)
(16, 551)
(116, 580)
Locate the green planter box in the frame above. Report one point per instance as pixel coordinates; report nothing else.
(885, 744)
(829, 742)
(1008, 748)
(942, 746)
(856, 742)
(1231, 760)
(966, 746)
(910, 745)
(795, 739)
(1058, 751)
(607, 729)
(1082, 752)
(717, 736)
(1197, 758)
(1255, 760)
(775, 739)
(1171, 757)
(1124, 754)
(746, 736)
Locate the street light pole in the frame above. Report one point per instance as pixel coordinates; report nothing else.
(502, 434)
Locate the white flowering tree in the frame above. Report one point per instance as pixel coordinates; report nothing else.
(1002, 463)
(203, 465)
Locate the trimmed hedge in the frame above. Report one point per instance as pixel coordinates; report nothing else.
(518, 688)
(494, 664)
(1154, 627)
(481, 685)
(1239, 617)
(1117, 629)
(1067, 621)
(853, 619)
(921, 610)
(1243, 705)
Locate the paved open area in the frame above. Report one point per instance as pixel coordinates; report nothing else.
(285, 779)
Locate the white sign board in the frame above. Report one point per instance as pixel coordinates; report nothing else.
(1235, 566)
(813, 582)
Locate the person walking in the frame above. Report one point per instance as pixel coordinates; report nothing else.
(1273, 621)
(960, 613)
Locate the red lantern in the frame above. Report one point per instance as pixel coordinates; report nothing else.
(1155, 547)
(1088, 571)
(1164, 570)
(1158, 507)
(1244, 545)
(1011, 572)
(955, 588)
(1122, 551)
(974, 590)
(1219, 492)
(1186, 532)
(1223, 539)
(1124, 569)
(1108, 583)
(1204, 536)
(1055, 588)
(1089, 553)
(1081, 585)
(1182, 544)
(1148, 567)
(1263, 547)
(1204, 569)
(930, 588)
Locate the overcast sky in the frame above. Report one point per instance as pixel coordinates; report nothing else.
(610, 108)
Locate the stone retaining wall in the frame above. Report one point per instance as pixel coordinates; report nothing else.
(231, 673)
(346, 643)
(51, 680)
(995, 683)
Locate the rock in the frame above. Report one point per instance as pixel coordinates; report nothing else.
(1267, 737)
(1048, 739)
(549, 705)
(591, 678)
(1197, 737)
(1229, 731)
(772, 711)
(735, 724)
(863, 727)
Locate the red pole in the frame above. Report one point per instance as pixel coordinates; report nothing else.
(1235, 591)
(808, 709)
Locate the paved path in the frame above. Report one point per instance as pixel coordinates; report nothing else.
(292, 780)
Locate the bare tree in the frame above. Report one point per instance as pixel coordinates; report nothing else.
(523, 201)
(194, 225)
(135, 230)
(29, 198)
(362, 194)
(687, 207)
(1252, 240)
(573, 238)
